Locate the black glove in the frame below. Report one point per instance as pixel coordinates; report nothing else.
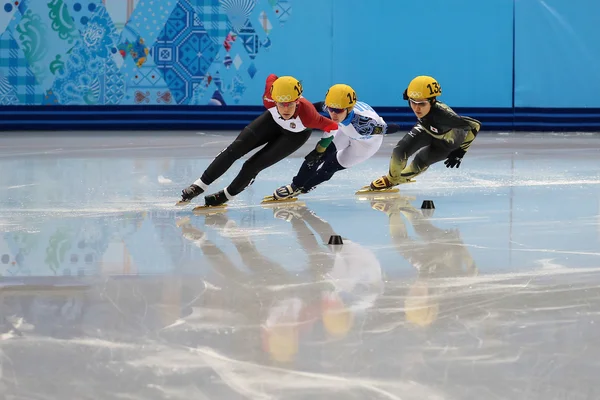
(454, 159)
(313, 157)
(392, 128)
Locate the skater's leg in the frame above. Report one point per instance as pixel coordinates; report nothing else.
(358, 151)
(414, 140)
(437, 151)
(340, 142)
(307, 170)
(323, 174)
(354, 153)
(256, 134)
(276, 150)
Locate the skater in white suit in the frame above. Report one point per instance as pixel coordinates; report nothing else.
(360, 135)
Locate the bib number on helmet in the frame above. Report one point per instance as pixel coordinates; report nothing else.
(351, 98)
(435, 89)
(298, 89)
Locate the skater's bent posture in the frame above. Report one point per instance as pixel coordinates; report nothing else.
(282, 129)
(360, 134)
(440, 134)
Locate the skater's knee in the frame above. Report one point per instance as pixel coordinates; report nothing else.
(399, 153)
(239, 147)
(420, 160)
(253, 167)
(235, 150)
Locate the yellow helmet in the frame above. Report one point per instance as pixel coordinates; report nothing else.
(340, 96)
(286, 89)
(423, 87)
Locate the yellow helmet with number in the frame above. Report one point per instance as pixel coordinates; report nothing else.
(423, 87)
(340, 96)
(286, 89)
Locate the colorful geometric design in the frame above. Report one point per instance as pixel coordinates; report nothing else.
(215, 22)
(62, 22)
(237, 11)
(249, 39)
(147, 20)
(40, 36)
(252, 70)
(78, 78)
(112, 84)
(263, 20)
(101, 52)
(184, 52)
(82, 11)
(145, 85)
(8, 11)
(120, 11)
(15, 69)
(99, 33)
(7, 92)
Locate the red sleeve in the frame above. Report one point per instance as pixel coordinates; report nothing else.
(312, 119)
(267, 100)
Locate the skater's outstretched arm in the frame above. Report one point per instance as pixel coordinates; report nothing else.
(455, 158)
(316, 121)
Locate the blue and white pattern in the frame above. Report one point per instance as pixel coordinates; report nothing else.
(89, 52)
(365, 125)
(16, 71)
(237, 11)
(184, 52)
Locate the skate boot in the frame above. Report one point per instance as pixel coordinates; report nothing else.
(287, 192)
(190, 192)
(382, 183)
(215, 199)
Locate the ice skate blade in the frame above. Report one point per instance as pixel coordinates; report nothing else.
(368, 190)
(284, 204)
(182, 203)
(209, 209)
(271, 199)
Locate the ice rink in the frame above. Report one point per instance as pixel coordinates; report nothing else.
(109, 291)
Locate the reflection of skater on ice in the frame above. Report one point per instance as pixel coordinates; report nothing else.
(354, 275)
(281, 315)
(436, 253)
(338, 283)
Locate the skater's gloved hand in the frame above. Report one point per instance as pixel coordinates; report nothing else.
(313, 157)
(454, 159)
(392, 128)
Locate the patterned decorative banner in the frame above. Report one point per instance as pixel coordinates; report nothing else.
(90, 75)
(101, 52)
(16, 72)
(144, 84)
(184, 52)
(46, 38)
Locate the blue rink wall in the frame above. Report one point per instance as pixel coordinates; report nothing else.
(201, 64)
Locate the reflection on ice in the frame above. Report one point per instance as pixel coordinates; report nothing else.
(114, 293)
